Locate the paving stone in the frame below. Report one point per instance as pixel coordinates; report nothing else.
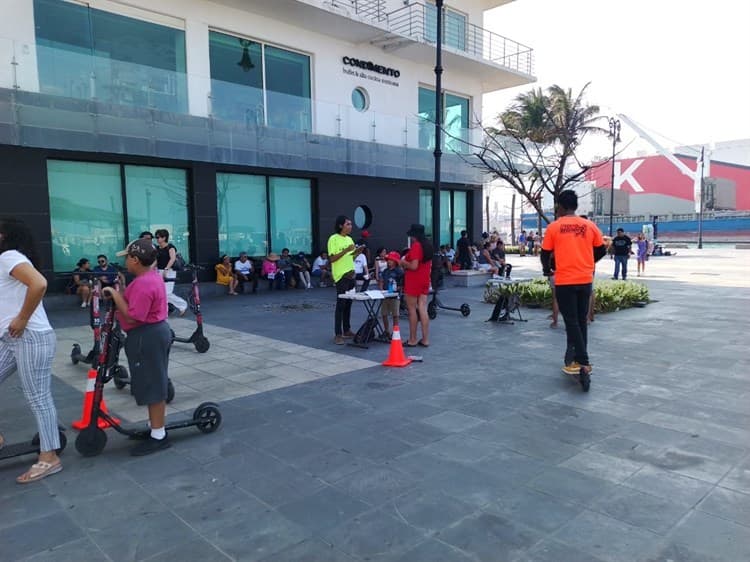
(668, 485)
(452, 421)
(641, 510)
(427, 509)
(728, 504)
(375, 484)
(433, 550)
(69, 552)
(310, 550)
(602, 466)
(738, 478)
(550, 550)
(191, 550)
(490, 537)
(607, 538)
(374, 536)
(710, 535)
(571, 485)
(29, 503)
(324, 509)
(534, 509)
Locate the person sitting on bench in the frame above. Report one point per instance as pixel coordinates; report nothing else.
(498, 257)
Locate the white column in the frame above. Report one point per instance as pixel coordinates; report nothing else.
(17, 44)
(198, 67)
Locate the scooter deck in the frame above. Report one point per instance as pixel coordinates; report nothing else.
(18, 449)
(585, 382)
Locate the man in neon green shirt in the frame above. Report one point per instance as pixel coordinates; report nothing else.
(341, 254)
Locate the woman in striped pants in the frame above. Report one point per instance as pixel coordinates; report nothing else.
(27, 341)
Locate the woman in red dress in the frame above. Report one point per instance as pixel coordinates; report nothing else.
(417, 264)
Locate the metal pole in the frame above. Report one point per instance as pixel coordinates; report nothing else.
(438, 124)
(614, 132)
(700, 204)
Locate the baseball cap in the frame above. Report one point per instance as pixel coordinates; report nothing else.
(141, 248)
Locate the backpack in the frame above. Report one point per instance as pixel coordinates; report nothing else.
(179, 263)
(366, 332)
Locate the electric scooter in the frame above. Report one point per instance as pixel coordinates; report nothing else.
(92, 440)
(197, 338)
(92, 357)
(436, 303)
(30, 447)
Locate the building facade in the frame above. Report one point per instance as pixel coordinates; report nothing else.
(240, 125)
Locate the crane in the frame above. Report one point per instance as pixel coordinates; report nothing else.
(703, 162)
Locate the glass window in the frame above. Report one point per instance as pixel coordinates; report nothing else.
(85, 211)
(425, 210)
(360, 99)
(241, 205)
(236, 78)
(157, 198)
(455, 120)
(446, 217)
(454, 27)
(87, 53)
(459, 215)
(288, 89)
(291, 214)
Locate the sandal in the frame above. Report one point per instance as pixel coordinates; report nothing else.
(420, 343)
(407, 344)
(2, 441)
(39, 470)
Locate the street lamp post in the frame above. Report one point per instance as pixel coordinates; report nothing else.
(438, 124)
(614, 133)
(701, 195)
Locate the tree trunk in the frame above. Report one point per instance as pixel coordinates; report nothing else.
(487, 211)
(513, 219)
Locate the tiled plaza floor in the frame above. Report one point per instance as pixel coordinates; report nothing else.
(482, 452)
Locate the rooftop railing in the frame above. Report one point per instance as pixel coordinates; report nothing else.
(419, 22)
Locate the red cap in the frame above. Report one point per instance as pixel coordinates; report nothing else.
(395, 256)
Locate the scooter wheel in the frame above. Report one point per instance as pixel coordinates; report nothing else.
(121, 377)
(432, 310)
(465, 309)
(585, 379)
(91, 441)
(75, 354)
(170, 391)
(208, 417)
(202, 344)
(63, 441)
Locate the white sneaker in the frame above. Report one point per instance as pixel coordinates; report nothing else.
(496, 276)
(84, 304)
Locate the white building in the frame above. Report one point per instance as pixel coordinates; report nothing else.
(240, 124)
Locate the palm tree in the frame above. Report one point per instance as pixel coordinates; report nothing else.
(534, 147)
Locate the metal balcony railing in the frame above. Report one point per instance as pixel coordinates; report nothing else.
(419, 22)
(370, 9)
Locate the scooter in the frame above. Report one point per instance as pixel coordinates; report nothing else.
(197, 338)
(435, 303)
(92, 439)
(30, 447)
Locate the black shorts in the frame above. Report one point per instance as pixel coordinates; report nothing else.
(147, 348)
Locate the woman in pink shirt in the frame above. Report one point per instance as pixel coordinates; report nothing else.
(142, 313)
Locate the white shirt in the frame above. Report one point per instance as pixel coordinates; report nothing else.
(318, 263)
(360, 264)
(243, 267)
(13, 293)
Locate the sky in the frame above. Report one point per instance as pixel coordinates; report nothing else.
(678, 68)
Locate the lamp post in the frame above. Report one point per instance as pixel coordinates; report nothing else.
(701, 195)
(614, 133)
(438, 124)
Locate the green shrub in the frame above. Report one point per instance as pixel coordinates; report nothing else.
(608, 295)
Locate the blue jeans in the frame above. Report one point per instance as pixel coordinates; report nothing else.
(621, 260)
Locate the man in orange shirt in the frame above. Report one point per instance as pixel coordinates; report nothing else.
(578, 245)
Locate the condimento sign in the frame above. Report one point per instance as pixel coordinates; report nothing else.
(369, 66)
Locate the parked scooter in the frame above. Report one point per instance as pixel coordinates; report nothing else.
(197, 338)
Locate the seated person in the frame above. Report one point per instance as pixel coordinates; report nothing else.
(498, 257)
(361, 271)
(225, 276)
(302, 270)
(272, 272)
(322, 270)
(285, 265)
(380, 264)
(391, 277)
(81, 285)
(484, 261)
(243, 271)
(108, 271)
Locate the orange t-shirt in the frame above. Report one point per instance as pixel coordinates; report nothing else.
(573, 240)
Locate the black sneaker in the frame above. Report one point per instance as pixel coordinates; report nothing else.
(149, 446)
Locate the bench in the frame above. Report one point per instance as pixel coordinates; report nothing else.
(469, 278)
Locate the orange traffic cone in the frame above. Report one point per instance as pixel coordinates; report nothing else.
(88, 404)
(396, 357)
